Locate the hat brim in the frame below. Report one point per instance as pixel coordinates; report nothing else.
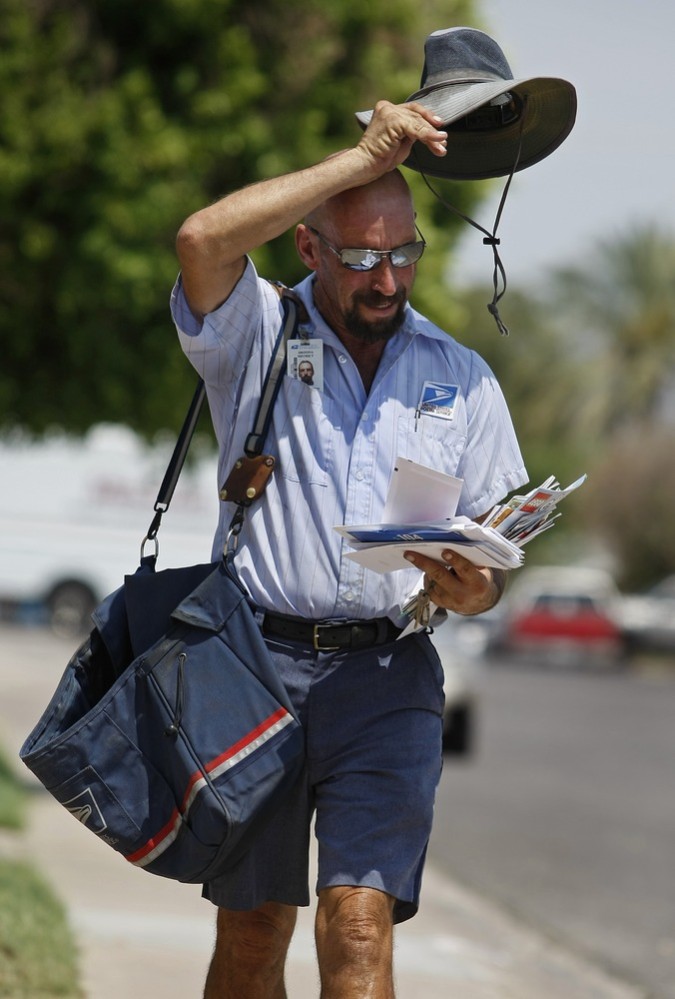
(549, 115)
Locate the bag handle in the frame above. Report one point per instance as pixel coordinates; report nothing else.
(293, 311)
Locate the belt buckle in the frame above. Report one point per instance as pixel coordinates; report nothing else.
(317, 640)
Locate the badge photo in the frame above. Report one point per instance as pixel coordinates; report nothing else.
(305, 362)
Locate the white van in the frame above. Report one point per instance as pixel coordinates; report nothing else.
(74, 513)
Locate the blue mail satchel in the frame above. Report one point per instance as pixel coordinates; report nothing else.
(170, 734)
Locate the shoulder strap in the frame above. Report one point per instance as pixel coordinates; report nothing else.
(293, 308)
(175, 466)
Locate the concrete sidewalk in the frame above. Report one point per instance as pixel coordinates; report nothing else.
(142, 936)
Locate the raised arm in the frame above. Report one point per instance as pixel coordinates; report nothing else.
(212, 244)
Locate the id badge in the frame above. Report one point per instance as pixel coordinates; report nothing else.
(304, 361)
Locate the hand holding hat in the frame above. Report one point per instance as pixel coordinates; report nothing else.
(493, 120)
(393, 130)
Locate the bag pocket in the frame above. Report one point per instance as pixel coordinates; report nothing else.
(89, 799)
(235, 751)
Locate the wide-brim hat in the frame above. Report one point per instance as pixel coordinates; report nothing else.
(464, 70)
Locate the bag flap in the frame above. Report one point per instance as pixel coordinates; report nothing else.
(220, 606)
(151, 597)
(110, 621)
(211, 604)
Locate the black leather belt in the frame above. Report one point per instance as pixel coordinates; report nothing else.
(329, 636)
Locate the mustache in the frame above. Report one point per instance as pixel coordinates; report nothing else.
(375, 299)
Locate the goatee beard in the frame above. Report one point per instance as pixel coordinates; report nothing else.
(375, 330)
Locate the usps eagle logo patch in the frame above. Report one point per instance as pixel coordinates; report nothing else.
(85, 808)
(438, 400)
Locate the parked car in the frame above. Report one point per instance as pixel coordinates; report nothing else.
(461, 643)
(649, 618)
(73, 514)
(562, 615)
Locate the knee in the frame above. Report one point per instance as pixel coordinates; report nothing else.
(355, 924)
(256, 938)
(250, 952)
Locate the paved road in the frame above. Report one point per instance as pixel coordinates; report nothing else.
(567, 815)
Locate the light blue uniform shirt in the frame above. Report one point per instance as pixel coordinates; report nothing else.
(336, 448)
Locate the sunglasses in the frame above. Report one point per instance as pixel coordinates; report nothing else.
(366, 260)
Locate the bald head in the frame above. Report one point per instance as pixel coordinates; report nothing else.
(387, 197)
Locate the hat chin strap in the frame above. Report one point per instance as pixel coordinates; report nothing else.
(490, 238)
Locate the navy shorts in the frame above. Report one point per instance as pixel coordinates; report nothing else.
(373, 724)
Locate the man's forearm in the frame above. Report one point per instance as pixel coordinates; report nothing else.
(252, 216)
(212, 243)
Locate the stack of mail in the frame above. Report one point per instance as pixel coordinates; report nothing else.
(524, 517)
(381, 546)
(420, 516)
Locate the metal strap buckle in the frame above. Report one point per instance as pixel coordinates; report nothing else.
(317, 640)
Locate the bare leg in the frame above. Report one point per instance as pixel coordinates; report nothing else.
(354, 939)
(250, 953)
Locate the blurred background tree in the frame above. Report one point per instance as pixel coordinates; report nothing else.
(117, 120)
(629, 503)
(618, 307)
(589, 374)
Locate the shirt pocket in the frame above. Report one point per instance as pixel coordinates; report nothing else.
(305, 435)
(432, 442)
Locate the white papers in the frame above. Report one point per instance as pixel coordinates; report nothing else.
(420, 495)
(420, 511)
(381, 546)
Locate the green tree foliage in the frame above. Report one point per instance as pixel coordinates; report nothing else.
(118, 119)
(589, 375)
(536, 371)
(619, 311)
(629, 503)
(594, 353)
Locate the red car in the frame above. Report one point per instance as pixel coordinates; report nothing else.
(561, 622)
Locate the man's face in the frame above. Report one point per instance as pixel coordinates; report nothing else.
(306, 372)
(370, 305)
(367, 305)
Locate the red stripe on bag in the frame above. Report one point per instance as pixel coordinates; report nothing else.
(158, 843)
(252, 736)
(257, 737)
